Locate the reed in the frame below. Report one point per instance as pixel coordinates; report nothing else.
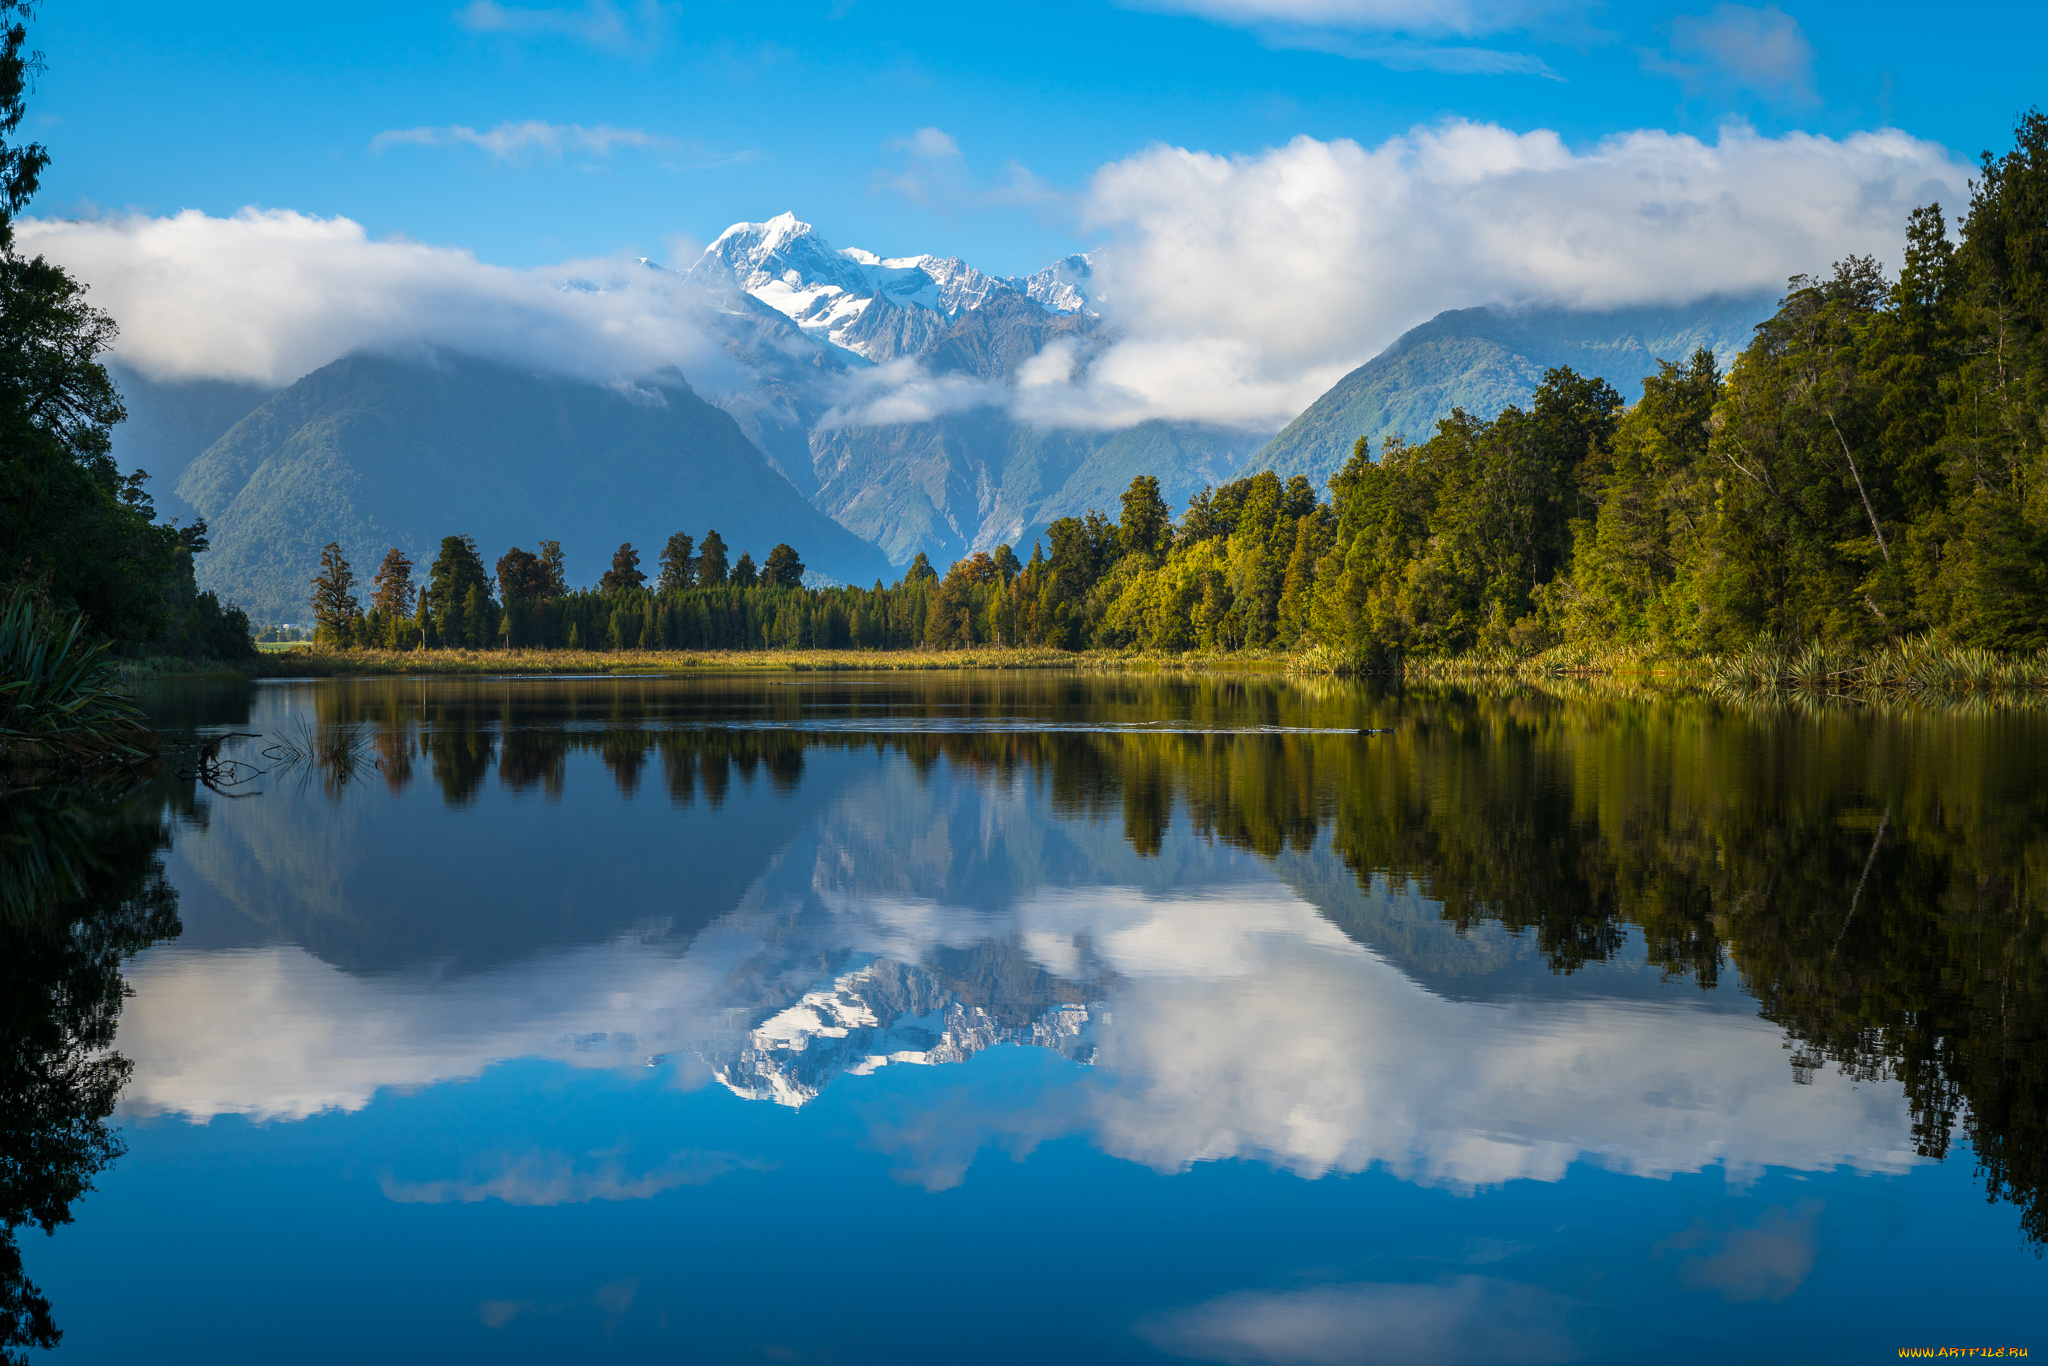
(63, 712)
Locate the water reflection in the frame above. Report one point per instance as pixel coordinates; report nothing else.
(1449, 950)
(81, 889)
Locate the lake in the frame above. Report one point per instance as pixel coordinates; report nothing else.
(1028, 1017)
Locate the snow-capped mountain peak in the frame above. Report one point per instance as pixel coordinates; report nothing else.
(826, 291)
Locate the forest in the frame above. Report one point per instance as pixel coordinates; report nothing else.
(1869, 469)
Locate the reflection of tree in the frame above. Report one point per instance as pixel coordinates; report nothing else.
(81, 888)
(1585, 820)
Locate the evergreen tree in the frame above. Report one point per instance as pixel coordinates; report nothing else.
(455, 572)
(1146, 530)
(711, 562)
(391, 593)
(784, 569)
(523, 577)
(678, 564)
(551, 565)
(743, 573)
(334, 601)
(624, 573)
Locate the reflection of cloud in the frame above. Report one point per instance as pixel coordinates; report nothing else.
(559, 1179)
(614, 1299)
(1473, 1319)
(1766, 1262)
(1229, 1020)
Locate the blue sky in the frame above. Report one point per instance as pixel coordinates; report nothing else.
(662, 122)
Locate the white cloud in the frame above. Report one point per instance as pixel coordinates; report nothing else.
(903, 391)
(1236, 289)
(269, 295)
(600, 23)
(1740, 48)
(1403, 35)
(1242, 286)
(1461, 18)
(516, 141)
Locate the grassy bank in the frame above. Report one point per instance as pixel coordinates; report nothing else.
(303, 663)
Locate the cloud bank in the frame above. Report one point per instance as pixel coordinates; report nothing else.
(270, 295)
(1237, 288)
(1244, 286)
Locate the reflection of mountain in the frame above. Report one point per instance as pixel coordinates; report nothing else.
(881, 1013)
(916, 914)
(1504, 935)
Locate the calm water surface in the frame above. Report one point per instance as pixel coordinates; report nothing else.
(1032, 1018)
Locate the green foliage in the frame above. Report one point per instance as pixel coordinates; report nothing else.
(784, 568)
(457, 609)
(334, 602)
(62, 711)
(711, 561)
(624, 573)
(678, 564)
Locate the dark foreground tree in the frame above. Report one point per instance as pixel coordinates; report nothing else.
(743, 573)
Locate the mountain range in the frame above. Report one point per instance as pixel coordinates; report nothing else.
(773, 444)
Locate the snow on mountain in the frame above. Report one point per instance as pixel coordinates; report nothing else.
(828, 292)
(881, 1013)
(1062, 287)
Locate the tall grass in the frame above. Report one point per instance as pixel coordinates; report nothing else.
(63, 713)
(1916, 666)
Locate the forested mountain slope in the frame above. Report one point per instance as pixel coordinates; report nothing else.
(375, 452)
(1483, 359)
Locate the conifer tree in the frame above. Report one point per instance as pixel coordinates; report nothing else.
(678, 564)
(551, 563)
(391, 593)
(457, 570)
(784, 569)
(624, 573)
(711, 562)
(1147, 526)
(743, 573)
(334, 601)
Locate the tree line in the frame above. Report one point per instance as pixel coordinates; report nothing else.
(700, 598)
(1870, 467)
